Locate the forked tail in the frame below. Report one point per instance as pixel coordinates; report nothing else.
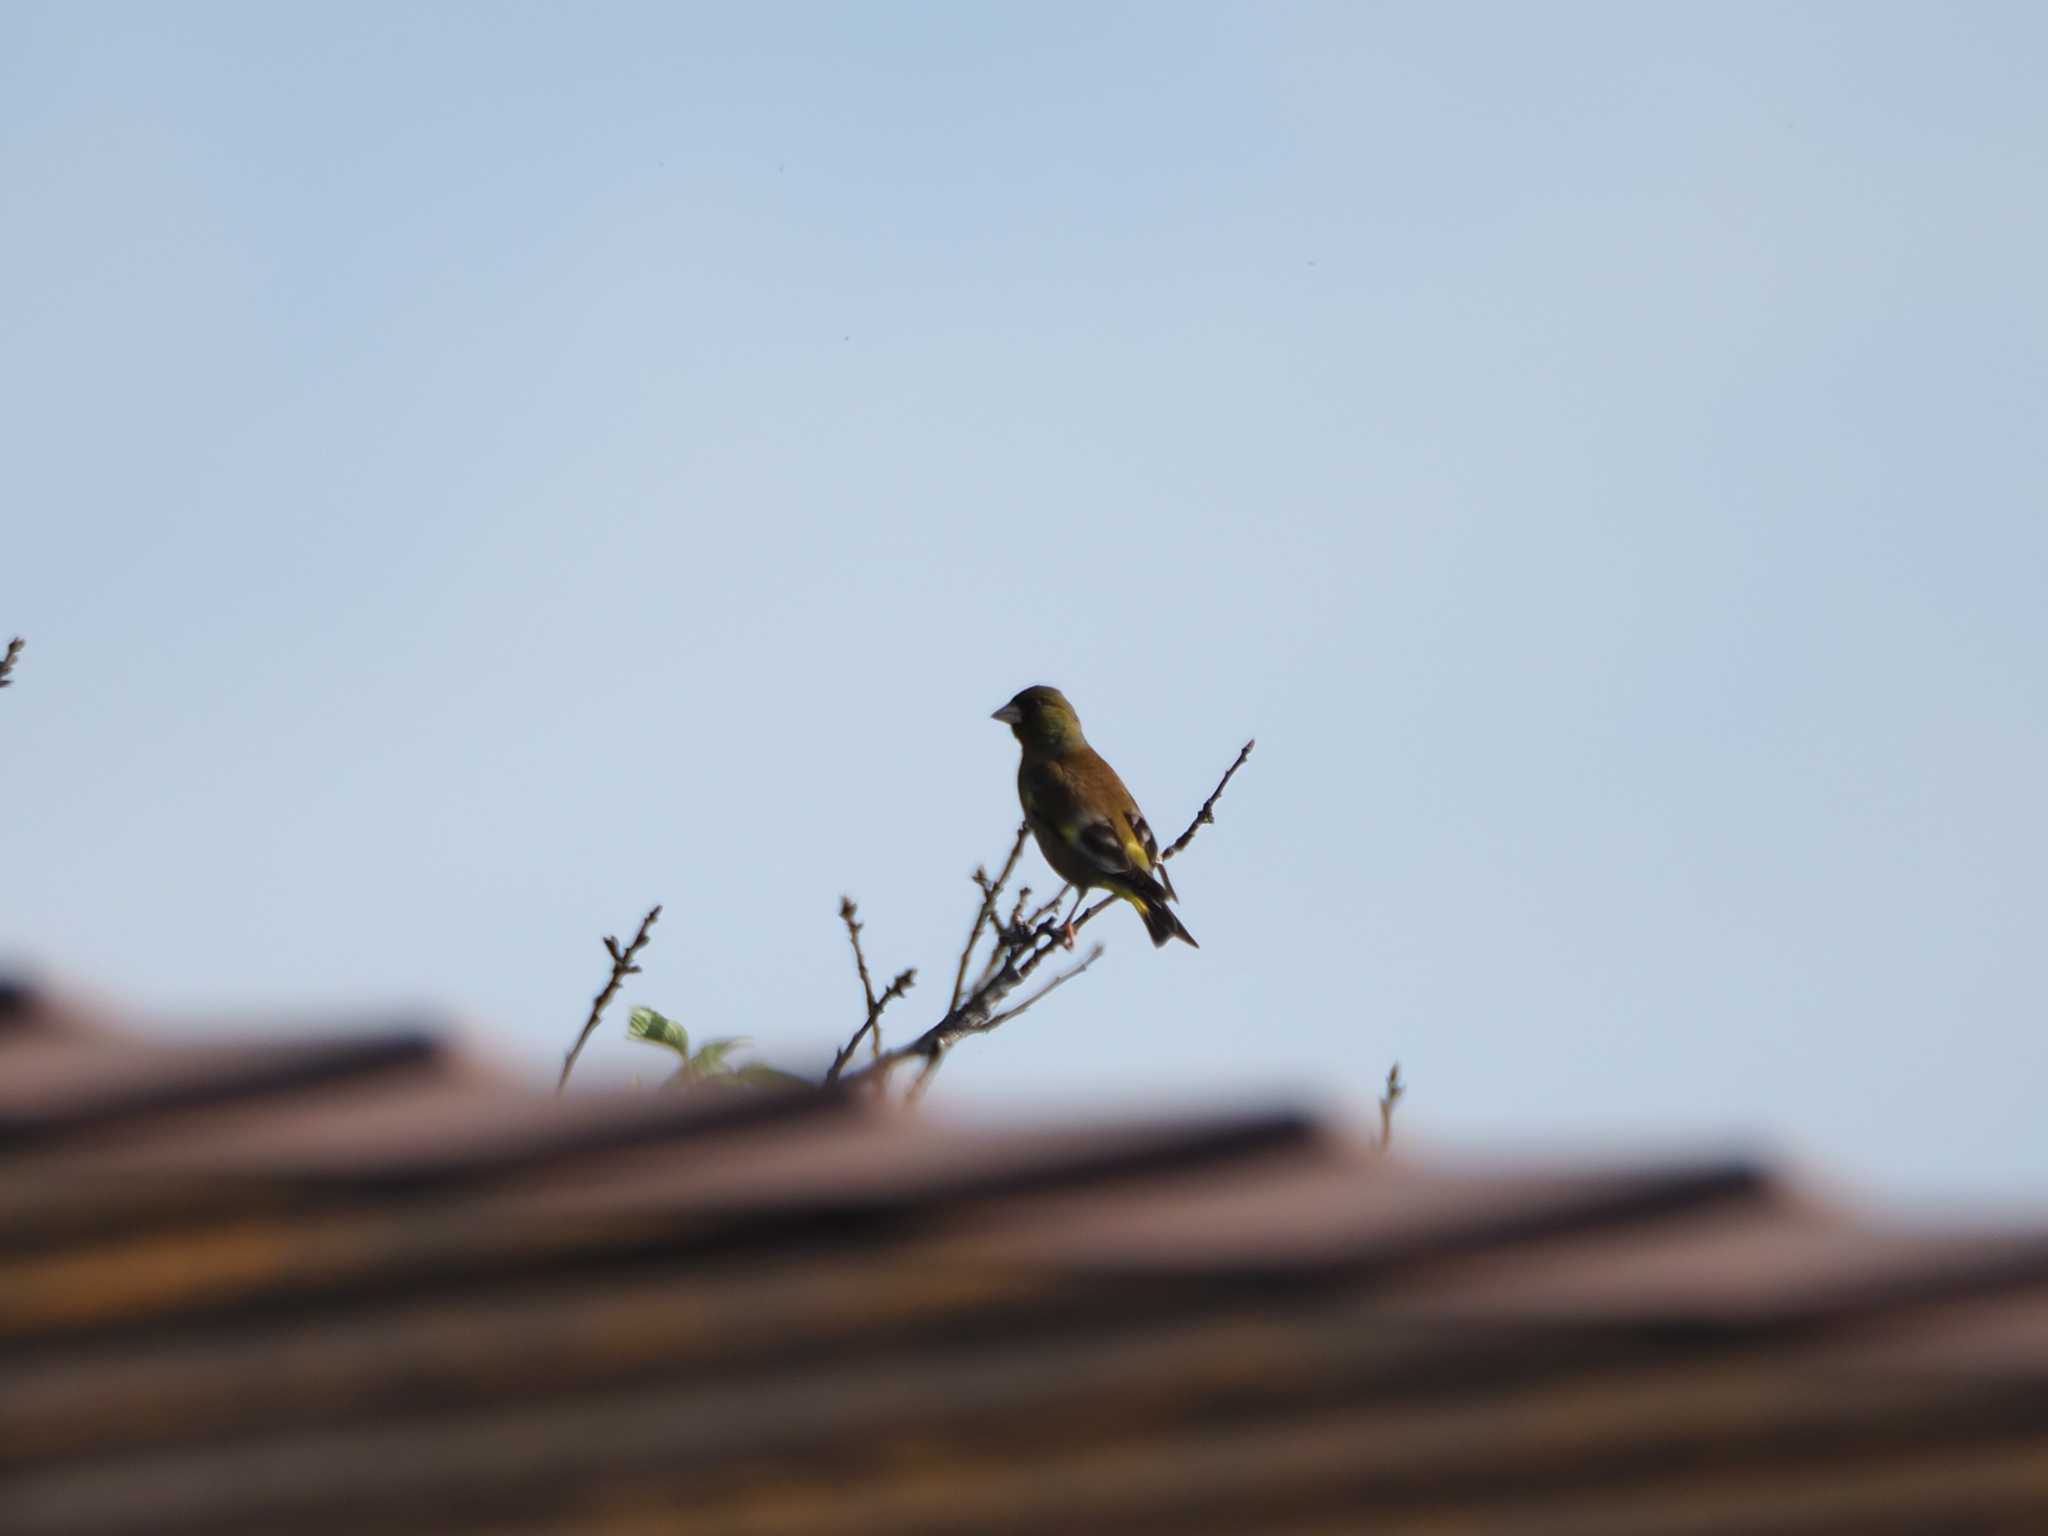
(1160, 920)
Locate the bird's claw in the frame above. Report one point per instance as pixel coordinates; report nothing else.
(1067, 936)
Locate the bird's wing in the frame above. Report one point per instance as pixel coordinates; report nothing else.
(1105, 846)
(1085, 803)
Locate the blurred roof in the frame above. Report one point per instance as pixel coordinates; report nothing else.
(358, 1282)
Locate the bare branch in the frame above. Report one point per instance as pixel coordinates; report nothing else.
(622, 967)
(923, 1079)
(991, 891)
(1051, 906)
(1016, 912)
(1049, 988)
(902, 984)
(1206, 815)
(7, 662)
(1392, 1096)
(1022, 928)
(860, 961)
(871, 1025)
(1011, 967)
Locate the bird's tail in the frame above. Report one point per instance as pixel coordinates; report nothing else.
(1160, 921)
(1162, 924)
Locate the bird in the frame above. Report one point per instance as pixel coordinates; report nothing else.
(1087, 824)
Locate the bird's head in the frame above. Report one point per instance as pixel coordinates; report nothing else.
(1043, 720)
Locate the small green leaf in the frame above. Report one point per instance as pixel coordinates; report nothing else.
(646, 1024)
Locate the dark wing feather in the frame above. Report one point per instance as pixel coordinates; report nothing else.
(1104, 848)
(1151, 845)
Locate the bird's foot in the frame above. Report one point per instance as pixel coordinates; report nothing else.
(1067, 935)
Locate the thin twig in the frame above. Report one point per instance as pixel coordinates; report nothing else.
(622, 967)
(1045, 991)
(923, 1079)
(991, 891)
(1012, 941)
(894, 990)
(871, 1025)
(1053, 905)
(1206, 815)
(1017, 912)
(7, 662)
(860, 961)
(1392, 1096)
(1013, 966)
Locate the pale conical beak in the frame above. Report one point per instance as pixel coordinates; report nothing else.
(1009, 714)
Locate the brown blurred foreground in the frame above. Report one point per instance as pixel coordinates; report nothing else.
(359, 1284)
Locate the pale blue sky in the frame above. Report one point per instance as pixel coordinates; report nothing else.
(472, 472)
